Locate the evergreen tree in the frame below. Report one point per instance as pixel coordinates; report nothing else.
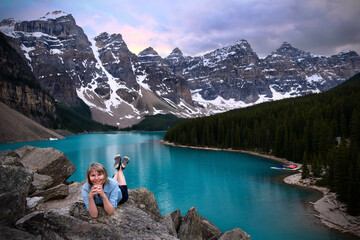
(305, 170)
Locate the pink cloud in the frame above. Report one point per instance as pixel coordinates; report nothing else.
(136, 38)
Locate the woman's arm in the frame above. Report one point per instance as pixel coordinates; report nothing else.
(92, 207)
(108, 207)
(88, 196)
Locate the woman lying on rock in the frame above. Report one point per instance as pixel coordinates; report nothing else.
(101, 190)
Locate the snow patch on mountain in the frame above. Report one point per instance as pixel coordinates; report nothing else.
(217, 105)
(114, 99)
(314, 78)
(140, 78)
(53, 15)
(27, 50)
(8, 29)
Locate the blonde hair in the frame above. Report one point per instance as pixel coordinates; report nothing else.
(99, 168)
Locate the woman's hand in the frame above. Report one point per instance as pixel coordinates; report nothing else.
(96, 189)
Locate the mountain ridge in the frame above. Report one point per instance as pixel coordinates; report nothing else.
(121, 87)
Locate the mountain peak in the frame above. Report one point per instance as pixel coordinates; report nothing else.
(241, 41)
(148, 51)
(105, 35)
(175, 53)
(242, 44)
(286, 45)
(8, 22)
(286, 49)
(54, 15)
(348, 53)
(176, 56)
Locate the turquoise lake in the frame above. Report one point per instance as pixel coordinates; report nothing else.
(230, 189)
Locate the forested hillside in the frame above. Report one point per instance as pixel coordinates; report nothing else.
(320, 130)
(78, 119)
(158, 122)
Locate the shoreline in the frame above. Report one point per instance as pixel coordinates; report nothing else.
(276, 159)
(331, 212)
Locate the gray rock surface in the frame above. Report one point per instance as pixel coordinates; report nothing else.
(14, 188)
(167, 221)
(209, 230)
(10, 158)
(190, 228)
(33, 202)
(235, 234)
(57, 192)
(128, 222)
(31, 222)
(195, 226)
(177, 219)
(15, 234)
(47, 161)
(42, 182)
(145, 200)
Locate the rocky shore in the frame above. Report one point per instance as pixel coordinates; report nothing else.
(36, 202)
(331, 212)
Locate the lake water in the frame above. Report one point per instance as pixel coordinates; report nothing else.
(230, 189)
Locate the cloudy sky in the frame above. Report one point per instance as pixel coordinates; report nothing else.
(322, 27)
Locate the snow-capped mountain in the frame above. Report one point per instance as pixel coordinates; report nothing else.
(236, 75)
(121, 87)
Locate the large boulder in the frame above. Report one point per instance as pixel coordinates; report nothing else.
(177, 219)
(167, 221)
(57, 192)
(195, 226)
(235, 234)
(15, 185)
(46, 161)
(190, 228)
(10, 158)
(42, 182)
(209, 230)
(31, 222)
(145, 200)
(74, 222)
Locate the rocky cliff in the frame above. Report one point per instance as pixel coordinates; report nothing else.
(55, 47)
(121, 88)
(37, 203)
(19, 88)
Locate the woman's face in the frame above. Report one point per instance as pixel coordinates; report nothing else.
(96, 177)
